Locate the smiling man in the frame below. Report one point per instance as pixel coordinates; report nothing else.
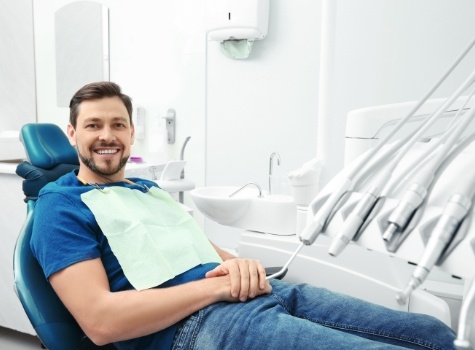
(134, 268)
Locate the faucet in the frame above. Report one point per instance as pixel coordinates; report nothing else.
(250, 183)
(152, 169)
(181, 197)
(273, 154)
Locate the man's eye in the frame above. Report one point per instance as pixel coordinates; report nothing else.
(91, 126)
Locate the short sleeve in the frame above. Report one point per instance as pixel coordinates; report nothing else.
(63, 233)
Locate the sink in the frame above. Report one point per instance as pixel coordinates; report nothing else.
(214, 202)
(275, 214)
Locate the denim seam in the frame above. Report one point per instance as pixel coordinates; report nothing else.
(359, 330)
(193, 325)
(195, 331)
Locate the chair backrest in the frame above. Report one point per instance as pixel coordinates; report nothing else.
(46, 146)
(49, 156)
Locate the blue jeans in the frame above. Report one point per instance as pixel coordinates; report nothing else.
(306, 317)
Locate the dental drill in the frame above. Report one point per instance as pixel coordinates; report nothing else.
(446, 228)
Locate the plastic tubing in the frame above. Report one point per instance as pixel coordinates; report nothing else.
(422, 160)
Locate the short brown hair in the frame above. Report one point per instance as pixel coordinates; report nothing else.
(94, 91)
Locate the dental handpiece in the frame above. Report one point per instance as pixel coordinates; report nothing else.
(354, 221)
(411, 200)
(454, 212)
(315, 227)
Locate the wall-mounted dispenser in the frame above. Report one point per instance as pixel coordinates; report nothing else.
(236, 24)
(237, 19)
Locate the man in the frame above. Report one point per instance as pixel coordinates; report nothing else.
(116, 251)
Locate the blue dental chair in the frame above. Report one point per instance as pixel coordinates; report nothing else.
(49, 156)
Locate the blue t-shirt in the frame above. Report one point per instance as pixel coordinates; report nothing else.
(65, 232)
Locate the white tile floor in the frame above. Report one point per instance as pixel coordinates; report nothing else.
(11, 340)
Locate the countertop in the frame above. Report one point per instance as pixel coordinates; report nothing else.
(9, 167)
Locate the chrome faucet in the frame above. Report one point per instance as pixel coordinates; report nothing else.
(248, 184)
(273, 154)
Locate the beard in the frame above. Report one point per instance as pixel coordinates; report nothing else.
(107, 170)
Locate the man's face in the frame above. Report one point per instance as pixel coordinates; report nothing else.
(103, 138)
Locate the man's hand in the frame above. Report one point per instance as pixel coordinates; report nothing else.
(247, 278)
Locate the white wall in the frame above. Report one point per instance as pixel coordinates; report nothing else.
(17, 65)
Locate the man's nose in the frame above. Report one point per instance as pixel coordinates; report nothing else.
(107, 134)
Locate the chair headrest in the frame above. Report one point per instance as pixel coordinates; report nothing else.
(47, 146)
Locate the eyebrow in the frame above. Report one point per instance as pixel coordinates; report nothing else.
(96, 119)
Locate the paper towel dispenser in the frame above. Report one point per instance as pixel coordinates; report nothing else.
(237, 19)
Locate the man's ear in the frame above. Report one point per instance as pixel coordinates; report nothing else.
(71, 132)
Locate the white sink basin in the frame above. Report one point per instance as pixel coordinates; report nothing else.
(214, 202)
(269, 214)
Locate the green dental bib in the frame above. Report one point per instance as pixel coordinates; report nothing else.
(152, 236)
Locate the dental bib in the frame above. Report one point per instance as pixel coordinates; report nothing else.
(152, 236)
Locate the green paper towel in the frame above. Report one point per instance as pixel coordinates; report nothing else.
(237, 49)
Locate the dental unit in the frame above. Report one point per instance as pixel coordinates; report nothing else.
(363, 191)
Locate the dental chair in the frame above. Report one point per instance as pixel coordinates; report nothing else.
(49, 156)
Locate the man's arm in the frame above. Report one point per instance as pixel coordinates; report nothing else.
(107, 316)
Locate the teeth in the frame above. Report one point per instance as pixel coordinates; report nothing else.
(107, 151)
